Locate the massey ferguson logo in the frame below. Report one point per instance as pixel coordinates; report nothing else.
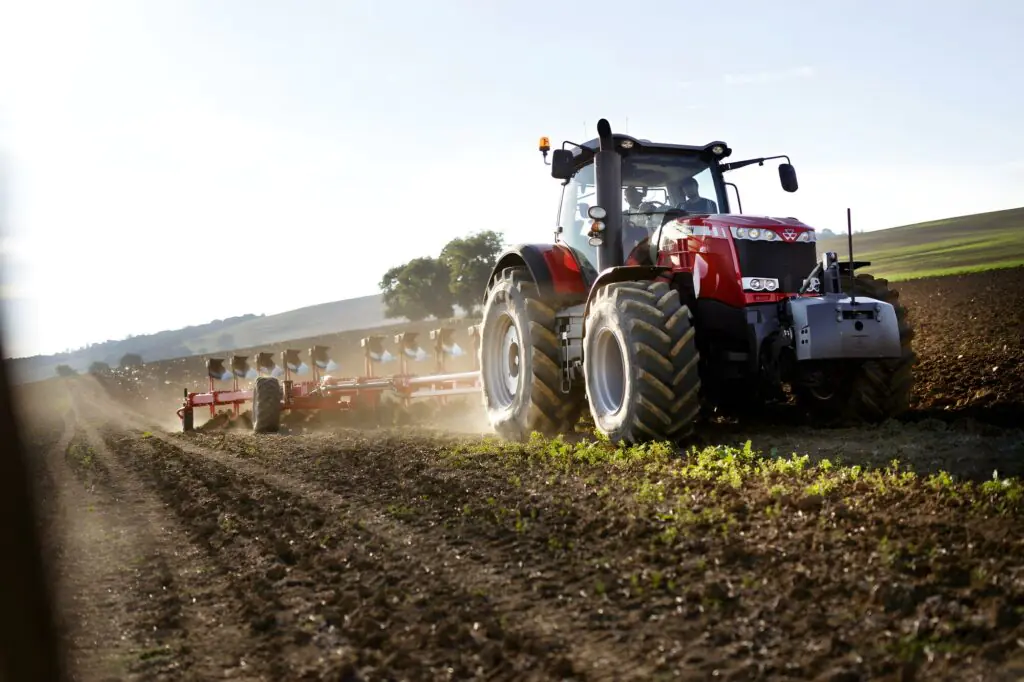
(789, 234)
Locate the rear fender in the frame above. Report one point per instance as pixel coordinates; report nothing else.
(626, 273)
(562, 274)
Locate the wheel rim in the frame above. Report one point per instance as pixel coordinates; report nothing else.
(822, 395)
(503, 362)
(818, 387)
(607, 380)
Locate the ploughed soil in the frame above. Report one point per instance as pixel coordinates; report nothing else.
(421, 552)
(970, 343)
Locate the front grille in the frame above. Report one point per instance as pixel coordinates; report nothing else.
(789, 263)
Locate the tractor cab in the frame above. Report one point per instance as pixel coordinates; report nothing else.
(655, 188)
(656, 183)
(637, 186)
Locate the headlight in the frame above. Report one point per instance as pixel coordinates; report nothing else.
(766, 235)
(760, 284)
(754, 234)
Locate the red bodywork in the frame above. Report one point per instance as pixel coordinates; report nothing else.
(566, 276)
(703, 245)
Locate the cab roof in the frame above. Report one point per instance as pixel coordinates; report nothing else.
(586, 151)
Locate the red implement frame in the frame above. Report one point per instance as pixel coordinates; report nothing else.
(340, 393)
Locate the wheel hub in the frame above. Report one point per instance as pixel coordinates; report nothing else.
(820, 385)
(502, 361)
(510, 359)
(607, 381)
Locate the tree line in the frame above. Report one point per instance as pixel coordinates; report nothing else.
(428, 286)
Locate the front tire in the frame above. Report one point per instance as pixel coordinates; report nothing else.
(641, 361)
(519, 362)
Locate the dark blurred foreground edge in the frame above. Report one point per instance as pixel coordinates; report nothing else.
(29, 646)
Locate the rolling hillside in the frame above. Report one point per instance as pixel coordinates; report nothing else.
(215, 337)
(941, 247)
(311, 321)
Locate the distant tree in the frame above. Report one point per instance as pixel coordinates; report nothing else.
(827, 233)
(99, 368)
(130, 360)
(66, 371)
(470, 261)
(417, 290)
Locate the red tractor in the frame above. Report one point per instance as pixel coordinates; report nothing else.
(656, 303)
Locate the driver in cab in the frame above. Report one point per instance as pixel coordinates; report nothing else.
(635, 233)
(693, 202)
(634, 227)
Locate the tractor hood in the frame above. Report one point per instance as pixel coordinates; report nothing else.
(747, 220)
(724, 224)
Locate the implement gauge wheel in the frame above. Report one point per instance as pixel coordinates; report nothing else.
(641, 363)
(519, 362)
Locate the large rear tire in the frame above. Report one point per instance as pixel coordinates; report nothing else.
(641, 362)
(519, 362)
(266, 405)
(874, 390)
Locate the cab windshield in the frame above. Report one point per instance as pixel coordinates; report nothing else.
(653, 184)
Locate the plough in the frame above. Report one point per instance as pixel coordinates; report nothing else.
(327, 392)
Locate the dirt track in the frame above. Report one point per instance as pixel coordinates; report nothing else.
(387, 555)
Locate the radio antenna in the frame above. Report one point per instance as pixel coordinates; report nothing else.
(849, 239)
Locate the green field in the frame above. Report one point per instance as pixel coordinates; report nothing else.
(952, 246)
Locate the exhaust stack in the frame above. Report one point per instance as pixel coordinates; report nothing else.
(608, 177)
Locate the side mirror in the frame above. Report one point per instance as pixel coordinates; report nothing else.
(787, 176)
(561, 164)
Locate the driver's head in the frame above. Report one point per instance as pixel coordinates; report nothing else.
(634, 195)
(690, 188)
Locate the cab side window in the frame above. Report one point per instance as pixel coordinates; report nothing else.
(578, 195)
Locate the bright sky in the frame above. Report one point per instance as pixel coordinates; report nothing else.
(171, 163)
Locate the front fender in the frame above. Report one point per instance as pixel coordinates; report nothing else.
(625, 273)
(561, 273)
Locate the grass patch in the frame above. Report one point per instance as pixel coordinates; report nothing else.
(955, 270)
(705, 487)
(954, 246)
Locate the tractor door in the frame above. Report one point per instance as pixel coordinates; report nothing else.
(578, 195)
